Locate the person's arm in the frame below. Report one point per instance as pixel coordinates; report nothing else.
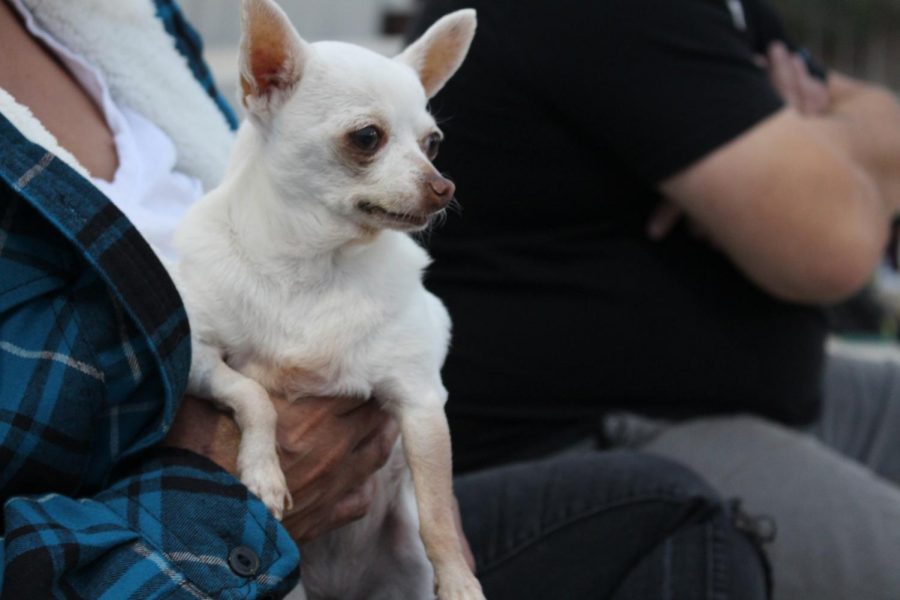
(865, 124)
(802, 203)
(674, 93)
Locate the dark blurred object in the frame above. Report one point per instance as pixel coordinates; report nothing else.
(395, 22)
(815, 68)
(862, 316)
(893, 251)
(858, 37)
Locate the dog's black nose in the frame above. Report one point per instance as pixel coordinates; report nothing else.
(440, 191)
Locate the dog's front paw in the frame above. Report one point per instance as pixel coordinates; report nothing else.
(458, 584)
(264, 477)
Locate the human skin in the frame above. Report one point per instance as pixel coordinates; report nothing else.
(329, 450)
(37, 79)
(801, 203)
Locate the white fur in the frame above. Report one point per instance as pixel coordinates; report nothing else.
(145, 72)
(285, 267)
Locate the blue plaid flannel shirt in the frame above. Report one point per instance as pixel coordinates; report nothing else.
(94, 356)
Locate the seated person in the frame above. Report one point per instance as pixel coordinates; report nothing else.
(578, 133)
(112, 486)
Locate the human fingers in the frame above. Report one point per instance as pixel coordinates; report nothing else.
(364, 423)
(373, 452)
(383, 435)
(202, 428)
(351, 507)
(320, 483)
(336, 455)
(663, 220)
(298, 409)
(814, 96)
(307, 425)
(782, 73)
(354, 505)
(370, 455)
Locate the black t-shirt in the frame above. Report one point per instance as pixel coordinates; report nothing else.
(561, 124)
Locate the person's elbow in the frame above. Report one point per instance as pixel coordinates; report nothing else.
(838, 257)
(838, 275)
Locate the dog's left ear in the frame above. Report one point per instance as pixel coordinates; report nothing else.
(440, 51)
(272, 58)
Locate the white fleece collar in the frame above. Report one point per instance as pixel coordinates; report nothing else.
(145, 72)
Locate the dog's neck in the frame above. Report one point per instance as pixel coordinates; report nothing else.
(266, 231)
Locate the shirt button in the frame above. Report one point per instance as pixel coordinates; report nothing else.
(243, 561)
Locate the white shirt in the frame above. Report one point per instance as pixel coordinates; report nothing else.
(146, 187)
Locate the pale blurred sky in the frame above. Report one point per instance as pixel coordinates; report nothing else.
(219, 21)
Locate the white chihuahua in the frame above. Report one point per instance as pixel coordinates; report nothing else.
(300, 280)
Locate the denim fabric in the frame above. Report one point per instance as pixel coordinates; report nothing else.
(832, 491)
(613, 525)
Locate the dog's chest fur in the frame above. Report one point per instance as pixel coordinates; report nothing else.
(332, 325)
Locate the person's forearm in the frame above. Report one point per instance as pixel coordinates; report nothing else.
(864, 123)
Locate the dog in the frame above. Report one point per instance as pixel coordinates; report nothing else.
(301, 262)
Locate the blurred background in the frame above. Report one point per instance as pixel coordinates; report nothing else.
(858, 37)
(861, 37)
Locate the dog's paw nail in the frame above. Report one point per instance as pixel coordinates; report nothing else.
(266, 480)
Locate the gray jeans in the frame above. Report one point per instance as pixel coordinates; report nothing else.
(833, 491)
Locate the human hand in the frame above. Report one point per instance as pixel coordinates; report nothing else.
(202, 428)
(663, 220)
(789, 74)
(330, 448)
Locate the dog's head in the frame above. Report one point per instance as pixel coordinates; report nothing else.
(348, 128)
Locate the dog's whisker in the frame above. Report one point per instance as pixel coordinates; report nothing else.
(454, 206)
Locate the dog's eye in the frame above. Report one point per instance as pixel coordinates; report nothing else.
(432, 145)
(367, 139)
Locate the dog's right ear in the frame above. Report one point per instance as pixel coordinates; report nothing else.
(272, 58)
(440, 51)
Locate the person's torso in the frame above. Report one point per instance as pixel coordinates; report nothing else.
(560, 301)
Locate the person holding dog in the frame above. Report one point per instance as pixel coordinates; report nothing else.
(658, 200)
(113, 485)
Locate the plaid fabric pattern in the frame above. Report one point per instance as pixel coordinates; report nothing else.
(165, 530)
(94, 356)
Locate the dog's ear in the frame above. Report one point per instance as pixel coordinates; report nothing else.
(271, 60)
(441, 50)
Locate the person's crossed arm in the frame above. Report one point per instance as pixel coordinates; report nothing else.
(802, 202)
(796, 184)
